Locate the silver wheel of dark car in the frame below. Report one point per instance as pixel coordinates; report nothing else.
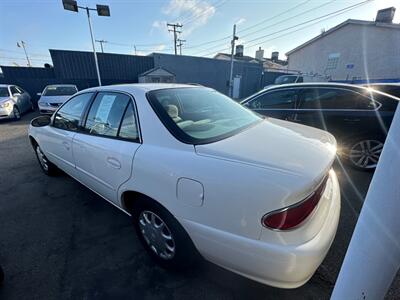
(157, 234)
(365, 153)
(42, 159)
(16, 113)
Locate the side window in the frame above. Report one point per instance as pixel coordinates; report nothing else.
(280, 99)
(106, 113)
(69, 115)
(21, 91)
(328, 98)
(14, 90)
(129, 128)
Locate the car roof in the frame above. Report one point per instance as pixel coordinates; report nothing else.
(313, 84)
(5, 85)
(145, 87)
(56, 85)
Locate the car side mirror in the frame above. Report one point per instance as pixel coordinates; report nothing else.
(41, 121)
(16, 94)
(39, 94)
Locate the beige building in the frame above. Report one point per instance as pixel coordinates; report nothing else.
(354, 50)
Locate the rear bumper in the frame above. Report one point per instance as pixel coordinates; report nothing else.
(284, 266)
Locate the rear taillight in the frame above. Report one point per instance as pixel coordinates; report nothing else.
(290, 217)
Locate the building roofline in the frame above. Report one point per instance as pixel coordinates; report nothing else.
(347, 22)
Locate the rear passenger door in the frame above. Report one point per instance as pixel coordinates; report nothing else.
(278, 104)
(105, 148)
(342, 112)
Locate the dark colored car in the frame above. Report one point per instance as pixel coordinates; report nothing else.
(358, 117)
(388, 88)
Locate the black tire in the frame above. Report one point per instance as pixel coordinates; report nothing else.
(16, 113)
(185, 254)
(368, 147)
(1, 276)
(47, 167)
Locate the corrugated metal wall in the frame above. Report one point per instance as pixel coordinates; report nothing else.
(117, 68)
(210, 72)
(77, 67)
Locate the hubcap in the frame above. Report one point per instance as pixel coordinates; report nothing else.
(157, 235)
(42, 159)
(365, 154)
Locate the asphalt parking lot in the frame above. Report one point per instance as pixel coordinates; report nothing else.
(58, 240)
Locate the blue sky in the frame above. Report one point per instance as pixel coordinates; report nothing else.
(43, 24)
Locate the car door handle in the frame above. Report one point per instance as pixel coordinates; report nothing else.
(66, 145)
(112, 161)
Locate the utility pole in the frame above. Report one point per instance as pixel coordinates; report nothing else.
(22, 45)
(175, 31)
(101, 42)
(234, 38)
(180, 45)
(134, 47)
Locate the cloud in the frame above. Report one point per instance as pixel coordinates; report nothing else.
(158, 48)
(191, 13)
(240, 21)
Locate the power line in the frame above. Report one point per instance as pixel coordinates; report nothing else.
(276, 16)
(312, 9)
(196, 16)
(259, 23)
(290, 18)
(314, 19)
(318, 19)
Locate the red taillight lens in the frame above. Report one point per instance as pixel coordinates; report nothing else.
(290, 217)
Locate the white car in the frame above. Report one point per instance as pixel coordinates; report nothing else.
(55, 95)
(14, 101)
(200, 174)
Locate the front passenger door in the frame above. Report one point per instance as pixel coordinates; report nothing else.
(278, 104)
(56, 140)
(105, 148)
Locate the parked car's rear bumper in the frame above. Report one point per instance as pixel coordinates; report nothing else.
(284, 266)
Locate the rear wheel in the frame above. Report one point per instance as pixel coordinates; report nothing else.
(16, 113)
(364, 153)
(162, 236)
(47, 167)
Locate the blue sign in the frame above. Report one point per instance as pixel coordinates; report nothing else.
(350, 66)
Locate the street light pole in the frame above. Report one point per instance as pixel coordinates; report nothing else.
(93, 45)
(102, 10)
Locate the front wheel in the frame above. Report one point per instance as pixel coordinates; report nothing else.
(364, 153)
(162, 236)
(16, 113)
(47, 167)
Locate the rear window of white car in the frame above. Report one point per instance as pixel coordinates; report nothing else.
(200, 115)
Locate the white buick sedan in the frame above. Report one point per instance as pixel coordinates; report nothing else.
(200, 174)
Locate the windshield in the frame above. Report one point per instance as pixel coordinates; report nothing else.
(60, 91)
(286, 79)
(200, 115)
(4, 92)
